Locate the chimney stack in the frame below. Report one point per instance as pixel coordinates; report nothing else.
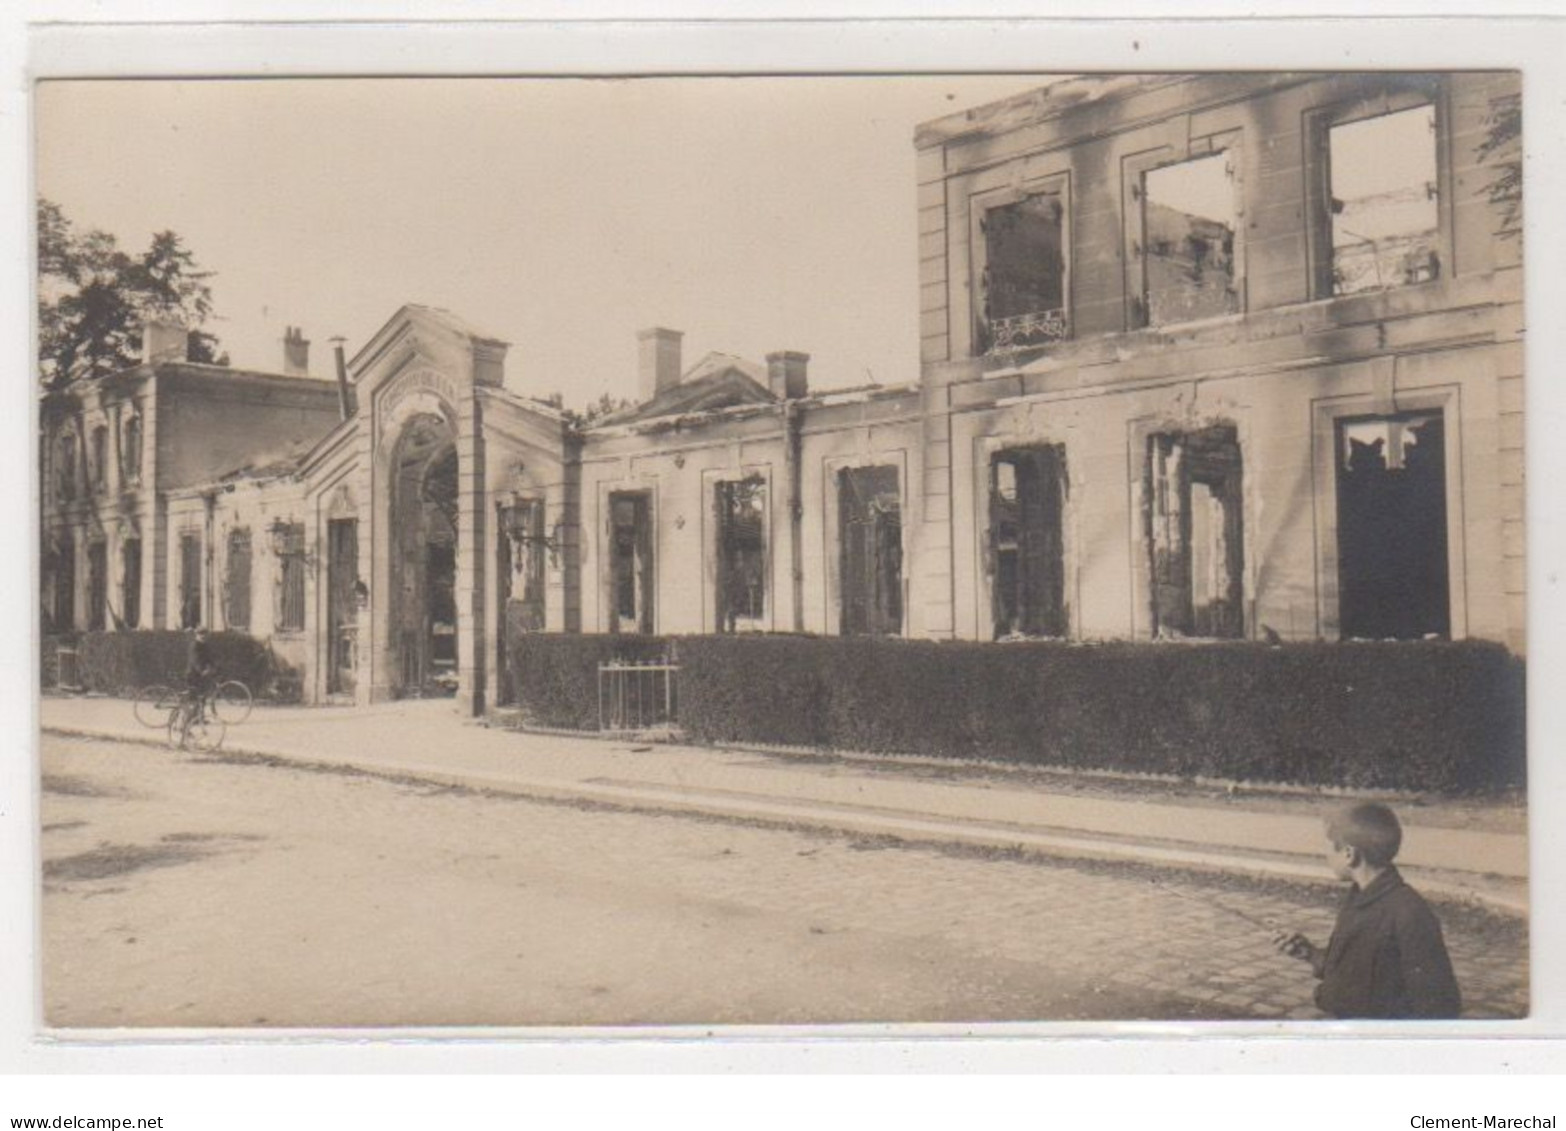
(786, 374)
(296, 352)
(345, 398)
(163, 339)
(659, 361)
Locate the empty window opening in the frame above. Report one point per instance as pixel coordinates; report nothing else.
(65, 585)
(236, 580)
(1189, 217)
(1027, 498)
(65, 467)
(1383, 201)
(100, 458)
(190, 580)
(1392, 543)
(870, 535)
(97, 586)
(1192, 505)
(130, 451)
(1023, 284)
(742, 552)
(521, 547)
(342, 605)
(289, 544)
(631, 561)
(130, 598)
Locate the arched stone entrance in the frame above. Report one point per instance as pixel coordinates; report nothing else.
(422, 641)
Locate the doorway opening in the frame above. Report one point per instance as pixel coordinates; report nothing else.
(1027, 498)
(1193, 515)
(424, 559)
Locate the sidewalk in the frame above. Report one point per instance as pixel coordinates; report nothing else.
(1259, 835)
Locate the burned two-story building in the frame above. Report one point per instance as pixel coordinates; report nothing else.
(117, 553)
(378, 530)
(1232, 356)
(1203, 357)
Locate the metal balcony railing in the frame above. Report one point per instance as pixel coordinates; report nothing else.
(1026, 331)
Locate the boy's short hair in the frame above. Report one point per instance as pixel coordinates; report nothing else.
(1370, 827)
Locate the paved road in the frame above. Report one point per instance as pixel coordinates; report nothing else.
(189, 891)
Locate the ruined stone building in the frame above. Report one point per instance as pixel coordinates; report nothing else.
(1215, 356)
(123, 457)
(1221, 356)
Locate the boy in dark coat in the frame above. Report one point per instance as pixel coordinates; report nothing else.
(1386, 957)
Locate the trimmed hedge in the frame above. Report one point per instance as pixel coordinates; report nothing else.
(556, 676)
(120, 662)
(1429, 715)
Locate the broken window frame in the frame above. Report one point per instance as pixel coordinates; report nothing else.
(65, 583)
(130, 582)
(1398, 606)
(65, 473)
(1175, 462)
(130, 450)
(239, 561)
(1027, 560)
(631, 567)
(1417, 94)
(292, 562)
(873, 542)
(1139, 294)
(100, 458)
(190, 579)
(529, 549)
(1028, 329)
(740, 573)
(524, 550)
(97, 585)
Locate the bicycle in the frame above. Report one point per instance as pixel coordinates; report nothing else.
(230, 703)
(155, 703)
(190, 724)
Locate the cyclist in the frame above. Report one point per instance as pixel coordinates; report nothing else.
(200, 672)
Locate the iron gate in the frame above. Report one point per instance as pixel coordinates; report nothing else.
(638, 695)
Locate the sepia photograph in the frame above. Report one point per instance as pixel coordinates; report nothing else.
(695, 553)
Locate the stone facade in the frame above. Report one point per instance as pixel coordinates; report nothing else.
(1166, 391)
(1291, 372)
(116, 454)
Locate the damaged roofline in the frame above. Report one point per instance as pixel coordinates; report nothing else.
(1040, 104)
(683, 420)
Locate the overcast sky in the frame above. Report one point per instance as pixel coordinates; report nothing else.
(754, 214)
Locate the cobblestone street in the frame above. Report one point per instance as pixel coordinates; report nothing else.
(199, 892)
